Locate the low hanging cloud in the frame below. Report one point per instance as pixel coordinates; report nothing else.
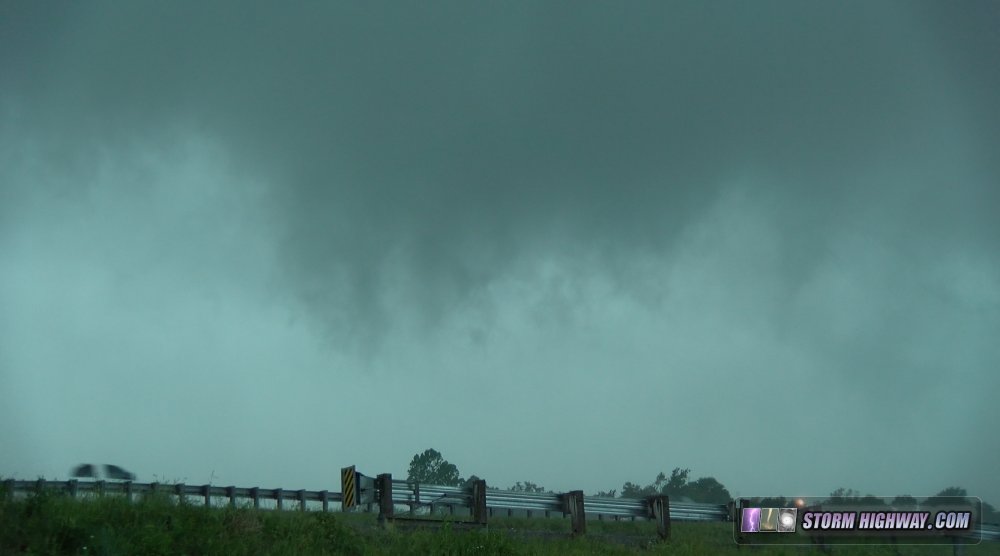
(459, 141)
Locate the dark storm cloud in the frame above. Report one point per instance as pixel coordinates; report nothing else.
(656, 209)
(452, 141)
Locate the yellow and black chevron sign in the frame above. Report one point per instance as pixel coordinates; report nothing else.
(348, 488)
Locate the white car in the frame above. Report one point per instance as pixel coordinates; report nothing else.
(101, 472)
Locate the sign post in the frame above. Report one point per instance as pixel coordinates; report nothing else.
(348, 488)
(356, 488)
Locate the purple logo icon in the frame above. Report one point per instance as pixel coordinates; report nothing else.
(751, 520)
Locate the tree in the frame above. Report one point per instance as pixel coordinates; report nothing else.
(707, 490)
(843, 496)
(527, 486)
(430, 468)
(946, 496)
(676, 486)
(990, 514)
(632, 490)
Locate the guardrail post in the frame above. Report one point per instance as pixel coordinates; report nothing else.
(573, 502)
(255, 495)
(384, 488)
(231, 493)
(179, 491)
(659, 509)
(279, 496)
(8, 487)
(206, 491)
(479, 501)
(127, 487)
(324, 497)
(39, 486)
(72, 487)
(302, 500)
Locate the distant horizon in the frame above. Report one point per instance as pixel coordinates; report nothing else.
(790, 497)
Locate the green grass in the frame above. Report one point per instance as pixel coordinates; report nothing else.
(56, 524)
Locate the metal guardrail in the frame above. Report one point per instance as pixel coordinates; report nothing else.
(206, 492)
(418, 495)
(990, 532)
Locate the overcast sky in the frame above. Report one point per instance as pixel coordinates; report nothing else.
(575, 243)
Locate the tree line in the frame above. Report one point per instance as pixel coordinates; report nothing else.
(430, 467)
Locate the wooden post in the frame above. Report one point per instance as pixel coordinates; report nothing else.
(255, 494)
(179, 491)
(279, 496)
(206, 491)
(231, 493)
(479, 501)
(659, 510)
(385, 507)
(302, 500)
(72, 488)
(128, 490)
(324, 497)
(573, 502)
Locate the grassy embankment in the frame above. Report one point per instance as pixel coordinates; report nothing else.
(56, 524)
